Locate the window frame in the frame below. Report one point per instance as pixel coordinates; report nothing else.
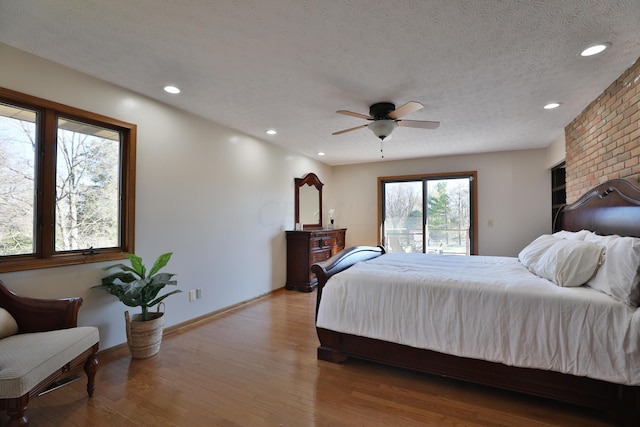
(473, 175)
(45, 183)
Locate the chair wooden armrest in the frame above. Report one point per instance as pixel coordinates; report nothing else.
(39, 315)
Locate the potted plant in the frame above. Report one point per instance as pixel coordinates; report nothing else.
(137, 287)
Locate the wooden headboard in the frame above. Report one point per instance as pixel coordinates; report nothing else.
(612, 207)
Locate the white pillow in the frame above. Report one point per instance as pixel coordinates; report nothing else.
(531, 253)
(571, 235)
(565, 262)
(8, 325)
(618, 276)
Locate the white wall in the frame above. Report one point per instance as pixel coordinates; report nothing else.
(514, 191)
(556, 152)
(219, 199)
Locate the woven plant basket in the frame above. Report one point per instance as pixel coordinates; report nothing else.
(144, 338)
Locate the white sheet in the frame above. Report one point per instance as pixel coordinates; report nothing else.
(488, 308)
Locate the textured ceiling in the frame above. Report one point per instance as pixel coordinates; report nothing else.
(483, 68)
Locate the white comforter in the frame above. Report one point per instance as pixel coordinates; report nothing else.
(489, 308)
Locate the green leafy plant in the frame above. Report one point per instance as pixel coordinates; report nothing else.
(134, 287)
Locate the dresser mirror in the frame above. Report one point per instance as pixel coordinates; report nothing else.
(308, 201)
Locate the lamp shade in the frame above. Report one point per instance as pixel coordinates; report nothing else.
(382, 128)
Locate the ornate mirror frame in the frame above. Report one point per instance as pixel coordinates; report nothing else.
(312, 181)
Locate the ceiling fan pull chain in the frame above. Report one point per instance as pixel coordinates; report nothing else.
(381, 150)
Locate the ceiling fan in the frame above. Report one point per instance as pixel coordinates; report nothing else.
(385, 117)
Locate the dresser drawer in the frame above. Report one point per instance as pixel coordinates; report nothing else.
(319, 256)
(323, 241)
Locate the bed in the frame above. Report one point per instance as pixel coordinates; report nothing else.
(591, 355)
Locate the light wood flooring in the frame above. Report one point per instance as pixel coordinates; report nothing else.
(256, 366)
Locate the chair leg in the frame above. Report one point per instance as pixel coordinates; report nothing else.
(16, 412)
(90, 368)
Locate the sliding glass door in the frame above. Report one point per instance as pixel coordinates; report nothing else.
(429, 214)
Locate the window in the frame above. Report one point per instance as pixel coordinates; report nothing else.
(67, 183)
(429, 213)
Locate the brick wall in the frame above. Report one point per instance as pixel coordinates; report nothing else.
(603, 142)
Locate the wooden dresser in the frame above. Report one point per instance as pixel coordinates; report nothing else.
(307, 247)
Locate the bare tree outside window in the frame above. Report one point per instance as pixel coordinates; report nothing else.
(401, 198)
(17, 180)
(87, 187)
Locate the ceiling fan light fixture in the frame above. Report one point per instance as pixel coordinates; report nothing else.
(382, 128)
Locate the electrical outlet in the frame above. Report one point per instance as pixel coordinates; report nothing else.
(192, 295)
(198, 293)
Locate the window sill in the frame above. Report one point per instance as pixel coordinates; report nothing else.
(31, 263)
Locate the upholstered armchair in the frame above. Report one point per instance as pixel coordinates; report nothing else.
(40, 343)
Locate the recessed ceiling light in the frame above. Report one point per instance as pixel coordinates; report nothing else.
(171, 89)
(271, 132)
(595, 49)
(321, 153)
(551, 105)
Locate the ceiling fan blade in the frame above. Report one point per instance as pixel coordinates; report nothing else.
(351, 113)
(405, 109)
(423, 124)
(349, 130)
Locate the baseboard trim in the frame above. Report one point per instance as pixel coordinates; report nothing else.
(196, 321)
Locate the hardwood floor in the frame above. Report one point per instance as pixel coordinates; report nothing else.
(256, 366)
